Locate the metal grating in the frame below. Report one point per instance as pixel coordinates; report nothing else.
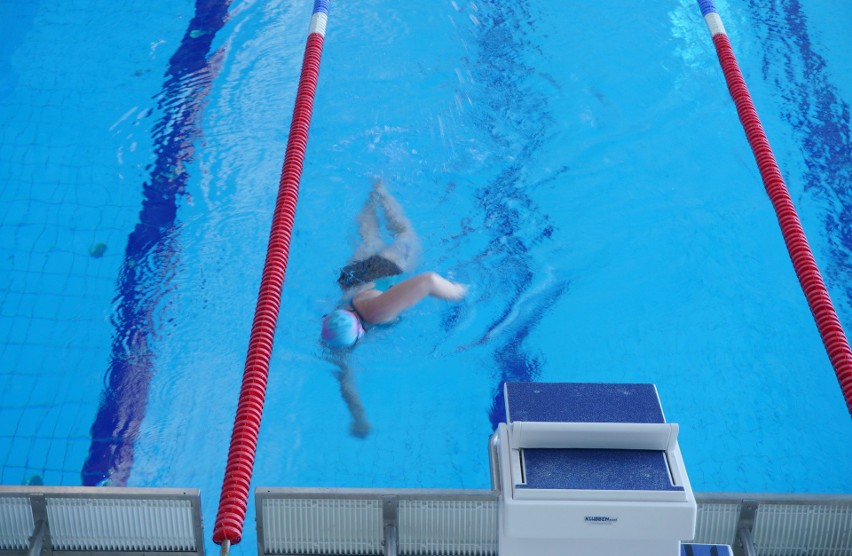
(434, 522)
(16, 522)
(104, 520)
(716, 523)
(349, 526)
(795, 529)
(104, 524)
(448, 527)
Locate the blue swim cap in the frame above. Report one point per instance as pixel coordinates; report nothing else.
(341, 328)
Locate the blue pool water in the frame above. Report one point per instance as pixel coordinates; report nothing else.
(584, 171)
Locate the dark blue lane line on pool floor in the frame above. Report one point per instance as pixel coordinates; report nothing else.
(517, 123)
(151, 256)
(820, 117)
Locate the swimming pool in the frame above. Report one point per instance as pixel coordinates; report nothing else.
(584, 171)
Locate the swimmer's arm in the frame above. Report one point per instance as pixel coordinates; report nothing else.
(387, 305)
(359, 427)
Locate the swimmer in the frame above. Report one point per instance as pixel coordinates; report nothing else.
(369, 296)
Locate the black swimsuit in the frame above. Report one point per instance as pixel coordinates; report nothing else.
(367, 270)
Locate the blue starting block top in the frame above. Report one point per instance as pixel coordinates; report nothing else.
(582, 403)
(705, 550)
(579, 469)
(589, 469)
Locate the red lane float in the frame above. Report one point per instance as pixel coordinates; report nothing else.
(816, 293)
(238, 472)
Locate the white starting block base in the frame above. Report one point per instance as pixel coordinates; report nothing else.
(572, 487)
(583, 547)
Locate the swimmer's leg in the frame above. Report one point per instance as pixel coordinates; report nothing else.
(368, 229)
(405, 249)
(397, 221)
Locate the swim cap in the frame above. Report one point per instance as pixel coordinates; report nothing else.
(341, 328)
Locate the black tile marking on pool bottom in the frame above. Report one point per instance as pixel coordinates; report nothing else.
(152, 250)
(518, 124)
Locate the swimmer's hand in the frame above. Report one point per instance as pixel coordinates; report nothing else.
(360, 428)
(445, 289)
(459, 292)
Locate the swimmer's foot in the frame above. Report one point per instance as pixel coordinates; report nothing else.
(380, 193)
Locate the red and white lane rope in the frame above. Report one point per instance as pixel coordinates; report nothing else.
(238, 472)
(836, 343)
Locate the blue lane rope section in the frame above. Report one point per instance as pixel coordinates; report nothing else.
(152, 251)
(707, 7)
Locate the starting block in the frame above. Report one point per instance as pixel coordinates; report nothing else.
(590, 470)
